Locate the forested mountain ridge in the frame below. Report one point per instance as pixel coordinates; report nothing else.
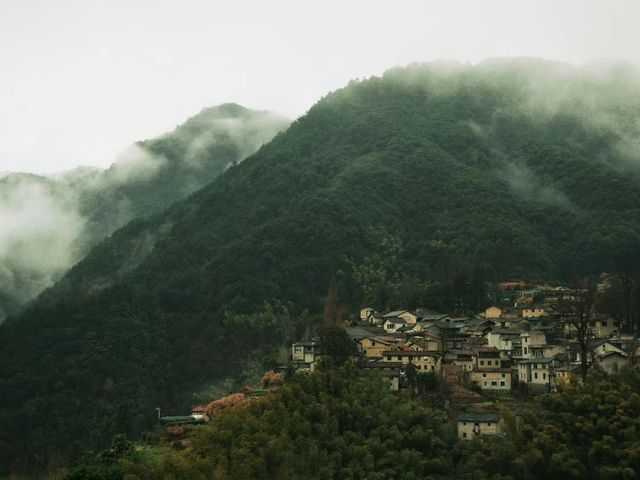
(52, 221)
(430, 175)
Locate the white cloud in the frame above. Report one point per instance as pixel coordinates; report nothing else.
(82, 80)
(37, 234)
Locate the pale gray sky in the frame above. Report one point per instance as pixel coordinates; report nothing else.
(81, 79)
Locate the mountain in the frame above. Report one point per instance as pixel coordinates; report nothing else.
(52, 221)
(417, 186)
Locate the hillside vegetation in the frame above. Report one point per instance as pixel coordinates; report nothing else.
(344, 425)
(415, 187)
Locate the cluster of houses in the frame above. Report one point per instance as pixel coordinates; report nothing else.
(494, 351)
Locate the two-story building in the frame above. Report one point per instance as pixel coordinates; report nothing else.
(425, 342)
(474, 425)
(409, 316)
(393, 324)
(465, 359)
(533, 312)
(423, 361)
(567, 373)
(607, 356)
(502, 339)
(372, 346)
(488, 357)
(536, 372)
(531, 341)
(304, 354)
(388, 370)
(605, 326)
(492, 378)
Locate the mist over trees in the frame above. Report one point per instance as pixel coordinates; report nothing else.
(50, 222)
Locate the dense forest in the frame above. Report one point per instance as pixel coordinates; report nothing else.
(341, 424)
(51, 221)
(413, 188)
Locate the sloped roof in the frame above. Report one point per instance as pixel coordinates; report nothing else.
(394, 319)
(409, 353)
(396, 313)
(505, 331)
(595, 343)
(461, 351)
(608, 354)
(536, 360)
(569, 368)
(305, 344)
(487, 352)
(364, 331)
(480, 417)
(375, 339)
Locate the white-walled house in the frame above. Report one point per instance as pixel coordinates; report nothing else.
(473, 425)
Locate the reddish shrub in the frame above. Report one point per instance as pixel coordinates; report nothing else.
(272, 379)
(215, 407)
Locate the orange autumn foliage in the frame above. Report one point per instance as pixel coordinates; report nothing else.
(272, 379)
(217, 406)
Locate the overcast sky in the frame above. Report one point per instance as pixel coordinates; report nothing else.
(81, 79)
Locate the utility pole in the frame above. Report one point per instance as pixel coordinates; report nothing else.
(158, 409)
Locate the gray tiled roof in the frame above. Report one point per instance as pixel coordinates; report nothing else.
(479, 417)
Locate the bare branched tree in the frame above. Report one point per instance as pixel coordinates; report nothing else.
(579, 311)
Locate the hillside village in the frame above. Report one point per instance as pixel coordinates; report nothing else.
(530, 347)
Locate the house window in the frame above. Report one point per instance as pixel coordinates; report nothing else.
(484, 375)
(503, 375)
(464, 434)
(544, 376)
(494, 384)
(502, 383)
(535, 375)
(482, 362)
(488, 424)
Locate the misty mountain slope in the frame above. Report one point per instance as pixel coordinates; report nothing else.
(50, 222)
(39, 221)
(428, 173)
(156, 173)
